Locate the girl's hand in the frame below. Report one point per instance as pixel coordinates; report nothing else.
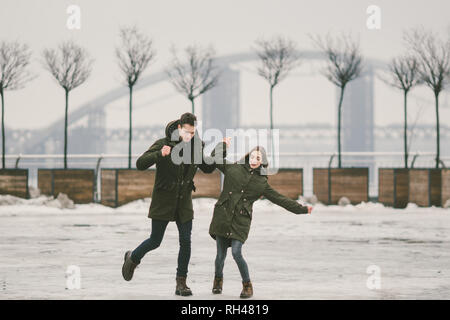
(310, 209)
(227, 140)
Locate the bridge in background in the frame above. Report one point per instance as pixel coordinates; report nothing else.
(220, 110)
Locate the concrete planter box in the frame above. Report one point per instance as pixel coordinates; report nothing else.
(429, 187)
(14, 182)
(393, 187)
(288, 182)
(330, 184)
(77, 184)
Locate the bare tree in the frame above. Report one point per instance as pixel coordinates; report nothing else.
(278, 57)
(134, 56)
(433, 55)
(413, 126)
(14, 61)
(404, 75)
(70, 65)
(344, 64)
(195, 76)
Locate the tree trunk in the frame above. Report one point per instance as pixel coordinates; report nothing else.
(65, 128)
(405, 136)
(193, 106)
(436, 95)
(271, 125)
(339, 126)
(3, 129)
(130, 135)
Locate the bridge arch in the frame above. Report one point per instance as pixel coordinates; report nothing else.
(96, 107)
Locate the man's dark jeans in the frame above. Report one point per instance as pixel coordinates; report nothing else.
(156, 236)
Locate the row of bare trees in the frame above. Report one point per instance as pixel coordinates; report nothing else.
(427, 62)
(191, 76)
(134, 56)
(14, 61)
(71, 65)
(343, 59)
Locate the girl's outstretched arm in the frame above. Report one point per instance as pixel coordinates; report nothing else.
(218, 156)
(283, 201)
(208, 164)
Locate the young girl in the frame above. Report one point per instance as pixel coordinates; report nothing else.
(244, 183)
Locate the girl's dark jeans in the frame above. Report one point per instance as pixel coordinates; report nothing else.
(156, 236)
(236, 250)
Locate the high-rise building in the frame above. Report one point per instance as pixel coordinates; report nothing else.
(220, 105)
(358, 115)
(358, 122)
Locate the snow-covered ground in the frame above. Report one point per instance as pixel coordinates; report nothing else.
(325, 255)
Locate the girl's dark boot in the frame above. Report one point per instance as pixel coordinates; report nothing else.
(247, 289)
(217, 285)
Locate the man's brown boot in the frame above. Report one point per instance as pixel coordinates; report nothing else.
(247, 290)
(128, 266)
(217, 285)
(182, 289)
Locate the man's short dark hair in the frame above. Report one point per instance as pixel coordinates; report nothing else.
(188, 118)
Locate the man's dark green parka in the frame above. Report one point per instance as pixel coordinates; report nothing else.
(171, 198)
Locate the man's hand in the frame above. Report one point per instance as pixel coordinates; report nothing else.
(165, 150)
(227, 141)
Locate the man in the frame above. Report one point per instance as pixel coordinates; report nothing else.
(172, 193)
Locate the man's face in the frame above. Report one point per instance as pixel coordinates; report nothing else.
(186, 132)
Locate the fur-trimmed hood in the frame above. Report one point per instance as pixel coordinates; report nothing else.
(172, 126)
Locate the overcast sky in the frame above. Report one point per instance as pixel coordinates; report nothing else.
(230, 26)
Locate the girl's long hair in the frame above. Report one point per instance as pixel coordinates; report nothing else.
(264, 162)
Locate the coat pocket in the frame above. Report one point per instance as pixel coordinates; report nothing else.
(221, 201)
(248, 208)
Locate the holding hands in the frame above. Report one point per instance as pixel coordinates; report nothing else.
(227, 140)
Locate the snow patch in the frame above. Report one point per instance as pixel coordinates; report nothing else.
(344, 201)
(34, 192)
(412, 206)
(8, 200)
(312, 200)
(447, 204)
(62, 201)
(11, 205)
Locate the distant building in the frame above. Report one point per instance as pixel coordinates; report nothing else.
(89, 137)
(358, 115)
(357, 122)
(221, 104)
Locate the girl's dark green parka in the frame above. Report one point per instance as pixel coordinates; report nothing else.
(242, 186)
